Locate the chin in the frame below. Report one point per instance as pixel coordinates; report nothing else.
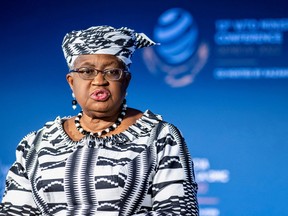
(99, 111)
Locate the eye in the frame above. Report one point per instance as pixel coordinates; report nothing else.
(113, 72)
(86, 71)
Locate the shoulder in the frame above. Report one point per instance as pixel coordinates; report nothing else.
(161, 125)
(28, 140)
(165, 128)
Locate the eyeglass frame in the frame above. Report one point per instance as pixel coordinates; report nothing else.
(104, 72)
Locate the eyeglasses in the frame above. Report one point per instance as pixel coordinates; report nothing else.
(108, 74)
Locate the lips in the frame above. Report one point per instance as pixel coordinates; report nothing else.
(100, 95)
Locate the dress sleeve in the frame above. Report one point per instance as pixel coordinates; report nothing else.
(17, 198)
(174, 190)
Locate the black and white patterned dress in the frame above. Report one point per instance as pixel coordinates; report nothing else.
(145, 170)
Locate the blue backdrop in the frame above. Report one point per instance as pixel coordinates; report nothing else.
(220, 75)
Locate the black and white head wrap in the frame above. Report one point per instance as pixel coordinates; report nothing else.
(120, 42)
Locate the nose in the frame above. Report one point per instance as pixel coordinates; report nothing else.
(99, 79)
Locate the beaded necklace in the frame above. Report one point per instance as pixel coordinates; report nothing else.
(105, 131)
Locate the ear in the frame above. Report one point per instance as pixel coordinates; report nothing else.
(69, 79)
(128, 78)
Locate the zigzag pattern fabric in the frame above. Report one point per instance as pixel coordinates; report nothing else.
(145, 170)
(120, 42)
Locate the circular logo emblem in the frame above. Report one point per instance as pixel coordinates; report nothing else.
(177, 33)
(181, 54)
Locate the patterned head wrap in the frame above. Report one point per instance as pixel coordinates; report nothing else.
(120, 42)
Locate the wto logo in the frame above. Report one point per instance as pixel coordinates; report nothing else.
(181, 55)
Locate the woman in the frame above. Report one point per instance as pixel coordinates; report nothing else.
(109, 159)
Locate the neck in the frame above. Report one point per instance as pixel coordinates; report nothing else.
(97, 127)
(96, 124)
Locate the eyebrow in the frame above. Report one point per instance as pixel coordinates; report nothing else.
(105, 64)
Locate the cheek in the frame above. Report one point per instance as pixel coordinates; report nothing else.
(118, 92)
(80, 90)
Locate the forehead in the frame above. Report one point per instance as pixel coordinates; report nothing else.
(98, 60)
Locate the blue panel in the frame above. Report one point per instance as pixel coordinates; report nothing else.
(220, 75)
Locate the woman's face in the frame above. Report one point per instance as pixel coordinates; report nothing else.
(98, 97)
